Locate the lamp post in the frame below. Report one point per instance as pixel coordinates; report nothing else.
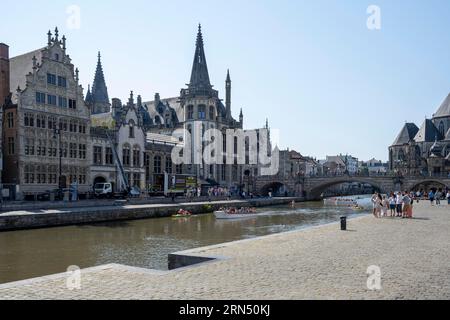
(55, 133)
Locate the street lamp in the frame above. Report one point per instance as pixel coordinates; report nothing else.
(55, 133)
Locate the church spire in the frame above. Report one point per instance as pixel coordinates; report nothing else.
(228, 95)
(99, 89)
(199, 75)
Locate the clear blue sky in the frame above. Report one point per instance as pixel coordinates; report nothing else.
(312, 67)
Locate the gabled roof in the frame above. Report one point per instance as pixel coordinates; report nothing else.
(444, 109)
(407, 134)
(428, 132)
(20, 66)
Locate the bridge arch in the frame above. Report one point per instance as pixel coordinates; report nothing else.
(429, 184)
(276, 187)
(317, 189)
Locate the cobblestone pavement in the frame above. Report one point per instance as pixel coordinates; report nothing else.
(317, 263)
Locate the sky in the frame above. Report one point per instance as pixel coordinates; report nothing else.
(326, 81)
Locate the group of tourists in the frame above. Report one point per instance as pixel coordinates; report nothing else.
(398, 204)
(435, 197)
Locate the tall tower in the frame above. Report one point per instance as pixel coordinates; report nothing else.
(228, 96)
(200, 103)
(99, 92)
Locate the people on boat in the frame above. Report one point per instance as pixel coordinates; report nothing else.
(183, 212)
(241, 210)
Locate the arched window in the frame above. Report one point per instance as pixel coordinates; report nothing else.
(401, 155)
(190, 112)
(441, 128)
(211, 113)
(169, 165)
(202, 112)
(131, 127)
(158, 120)
(157, 164)
(126, 155)
(136, 156)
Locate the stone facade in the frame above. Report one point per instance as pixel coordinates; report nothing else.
(48, 113)
(426, 150)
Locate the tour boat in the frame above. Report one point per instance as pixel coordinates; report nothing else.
(182, 214)
(238, 215)
(347, 202)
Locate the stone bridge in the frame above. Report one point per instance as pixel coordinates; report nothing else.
(313, 187)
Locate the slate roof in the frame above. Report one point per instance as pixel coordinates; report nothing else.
(172, 103)
(408, 132)
(444, 109)
(428, 132)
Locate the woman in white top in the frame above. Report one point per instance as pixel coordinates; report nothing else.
(384, 207)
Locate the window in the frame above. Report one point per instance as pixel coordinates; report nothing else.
(41, 148)
(441, 128)
(51, 79)
(51, 99)
(169, 165)
(179, 169)
(131, 125)
(29, 174)
(202, 112)
(157, 164)
(73, 150)
(82, 128)
(63, 124)
(62, 102)
(51, 123)
(136, 157)
(126, 155)
(136, 180)
(56, 57)
(190, 112)
(29, 120)
(72, 104)
(41, 121)
(211, 113)
(147, 166)
(29, 147)
(97, 155)
(62, 82)
(11, 146)
(10, 118)
(108, 156)
(82, 151)
(40, 98)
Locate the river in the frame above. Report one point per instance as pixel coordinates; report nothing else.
(144, 243)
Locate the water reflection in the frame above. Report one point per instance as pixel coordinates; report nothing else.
(143, 243)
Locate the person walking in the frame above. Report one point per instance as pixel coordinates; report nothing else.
(392, 204)
(431, 196)
(398, 204)
(448, 196)
(384, 207)
(438, 197)
(374, 201)
(407, 211)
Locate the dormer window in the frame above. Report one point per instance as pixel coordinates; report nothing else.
(56, 56)
(131, 124)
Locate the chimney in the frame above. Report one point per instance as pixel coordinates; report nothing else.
(4, 72)
(157, 99)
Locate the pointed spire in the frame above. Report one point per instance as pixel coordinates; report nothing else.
(131, 99)
(88, 95)
(199, 75)
(99, 89)
(228, 95)
(49, 34)
(34, 63)
(56, 34)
